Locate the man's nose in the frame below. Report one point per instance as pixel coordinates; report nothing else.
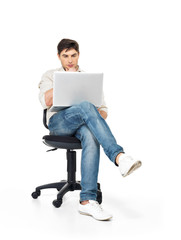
(70, 59)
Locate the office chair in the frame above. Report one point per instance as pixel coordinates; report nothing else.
(69, 143)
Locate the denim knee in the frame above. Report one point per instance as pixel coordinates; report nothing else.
(86, 105)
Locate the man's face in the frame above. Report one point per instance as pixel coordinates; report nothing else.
(69, 59)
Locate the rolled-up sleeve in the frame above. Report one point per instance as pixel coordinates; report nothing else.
(45, 84)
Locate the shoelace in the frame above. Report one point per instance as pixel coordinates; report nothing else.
(97, 206)
(128, 158)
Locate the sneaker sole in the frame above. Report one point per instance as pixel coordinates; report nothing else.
(135, 166)
(87, 214)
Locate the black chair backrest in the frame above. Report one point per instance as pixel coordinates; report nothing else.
(45, 118)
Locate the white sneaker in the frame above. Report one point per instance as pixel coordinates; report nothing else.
(94, 209)
(127, 165)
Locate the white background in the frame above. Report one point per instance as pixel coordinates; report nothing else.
(137, 46)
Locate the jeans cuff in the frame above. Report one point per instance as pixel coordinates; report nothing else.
(88, 197)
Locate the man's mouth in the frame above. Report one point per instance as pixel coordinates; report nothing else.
(70, 65)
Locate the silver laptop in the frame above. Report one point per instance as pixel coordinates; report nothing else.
(71, 88)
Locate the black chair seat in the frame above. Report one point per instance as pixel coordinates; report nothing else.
(63, 142)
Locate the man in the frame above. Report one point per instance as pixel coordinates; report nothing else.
(88, 124)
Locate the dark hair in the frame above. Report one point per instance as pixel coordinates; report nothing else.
(67, 43)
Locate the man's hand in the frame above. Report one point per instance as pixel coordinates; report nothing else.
(73, 69)
(102, 113)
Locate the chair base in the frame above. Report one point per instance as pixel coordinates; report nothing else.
(65, 186)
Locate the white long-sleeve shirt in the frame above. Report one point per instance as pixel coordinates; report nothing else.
(46, 84)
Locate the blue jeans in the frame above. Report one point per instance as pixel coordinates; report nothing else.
(85, 122)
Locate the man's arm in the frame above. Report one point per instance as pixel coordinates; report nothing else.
(49, 97)
(45, 85)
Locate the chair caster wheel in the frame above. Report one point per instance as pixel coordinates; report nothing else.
(35, 194)
(99, 197)
(57, 203)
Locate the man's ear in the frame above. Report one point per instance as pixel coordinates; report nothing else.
(58, 55)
